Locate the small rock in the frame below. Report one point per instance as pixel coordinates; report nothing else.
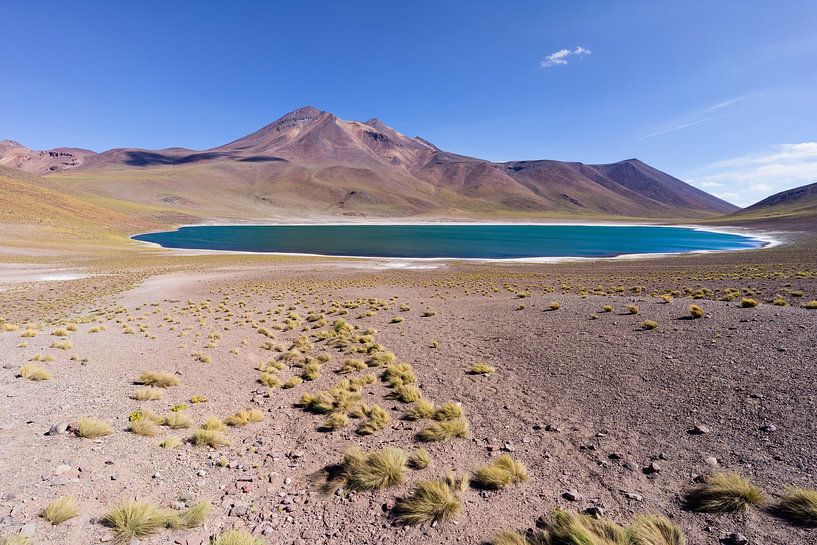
(595, 511)
(553, 428)
(58, 428)
(768, 428)
(571, 494)
(711, 461)
(735, 539)
(633, 496)
(653, 468)
(699, 429)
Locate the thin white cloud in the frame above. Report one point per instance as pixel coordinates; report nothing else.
(750, 178)
(696, 117)
(560, 57)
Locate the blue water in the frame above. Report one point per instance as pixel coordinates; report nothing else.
(450, 241)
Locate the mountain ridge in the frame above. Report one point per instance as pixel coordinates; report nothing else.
(312, 159)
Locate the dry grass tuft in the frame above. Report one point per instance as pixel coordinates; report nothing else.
(448, 411)
(441, 431)
(177, 421)
(408, 393)
(368, 471)
(502, 471)
(510, 537)
(235, 537)
(138, 519)
(93, 428)
(421, 459)
(696, 311)
(799, 505)
(213, 424)
(655, 530)
(429, 502)
(335, 421)
(811, 305)
(60, 510)
(748, 302)
(481, 369)
(423, 408)
(196, 514)
(377, 418)
(632, 309)
(649, 325)
(17, 539)
(399, 375)
(723, 493)
(159, 379)
(171, 442)
(210, 438)
(149, 393)
(554, 305)
(144, 427)
(242, 418)
(32, 371)
(292, 382)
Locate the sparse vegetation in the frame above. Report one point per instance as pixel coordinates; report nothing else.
(32, 371)
(481, 369)
(502, 471)
(441, 431)
(368, 471)
(422, 408)
(60, 510)
(554, 305)
(748, 302)
(158, 379)
(210, 438)
(235, 537)
(696, 311)
(377, 418)
(632, 309)
(429, 502)
(421, 459)
(242, 418)
(649, 324)
(171, 442)
(655, 530)
(149, 393)
(144, 427)
(132, 520)
(724, 492)
(93, 428)
(799, 505)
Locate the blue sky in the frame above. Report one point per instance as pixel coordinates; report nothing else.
(721, 94)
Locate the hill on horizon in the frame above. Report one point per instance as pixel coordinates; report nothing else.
(312, 163)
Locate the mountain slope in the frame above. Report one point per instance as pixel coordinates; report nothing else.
(310, 162)
(800, 202)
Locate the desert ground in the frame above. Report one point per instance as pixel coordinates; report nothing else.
(607, 416)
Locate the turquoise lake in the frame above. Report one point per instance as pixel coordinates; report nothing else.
(473, 241)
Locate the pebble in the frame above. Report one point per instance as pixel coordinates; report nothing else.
(58, 428)
(571, 494)
(711, 460)
(654, 467)
(699, 429)
(633, 496)
(735, 539)
(595, 511)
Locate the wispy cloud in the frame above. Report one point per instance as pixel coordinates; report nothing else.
(750, 178)
(560, 57)
(696, 117)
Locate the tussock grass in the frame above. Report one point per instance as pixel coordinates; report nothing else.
(292, 382)
(649, 325)
(448, 411)
(177, 421)
(655, 530)
(242, 418)
(213, 424)
(554, 305)
(148, 393)
(235, 537)
(423, 408)
(632, 309)
(723, 493)
(196, 514)
(32, 371)
(377, 418)
(210, 438)
(567, 529)
(399, 375)
(311, 371)
(29, 333)
(408, 393)
(502, 471)
(144, 427)
(799, 505)
(748, 302)
(510, 537)
(396, 320)
(171, 442)
(811, 305)
(159, 379)
(352, 364)
(60, 510)
(93, 428)
(421, 459)
(696, 311)
(441, 431)
(335, 421)
(269, 380)
(17, 539)
(368, 471)
(481, 369)
(132, 520)
(62, 345)
(780, 301)
(429, 502)
(607, 308)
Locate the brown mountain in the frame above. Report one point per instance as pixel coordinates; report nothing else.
(310, 162)
(799, 203)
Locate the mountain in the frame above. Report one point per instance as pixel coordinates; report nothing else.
(795, 204)
(312, 163)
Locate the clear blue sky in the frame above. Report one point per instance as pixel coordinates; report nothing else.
(719, 93)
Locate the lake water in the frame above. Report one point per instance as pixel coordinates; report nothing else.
(477, 241)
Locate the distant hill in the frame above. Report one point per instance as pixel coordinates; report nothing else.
(312, 163)
(792, 204)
